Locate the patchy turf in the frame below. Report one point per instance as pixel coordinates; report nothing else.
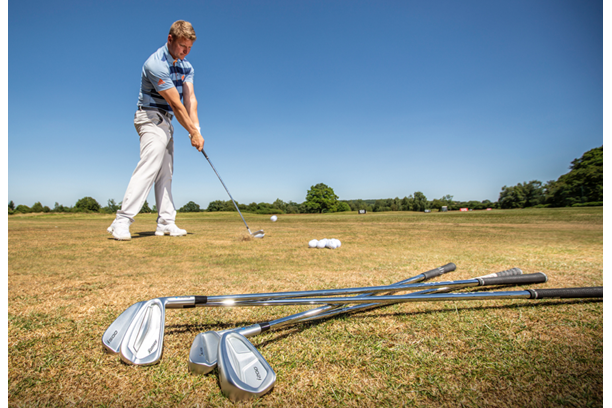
(68, 280)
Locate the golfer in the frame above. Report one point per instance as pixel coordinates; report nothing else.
(166, 90)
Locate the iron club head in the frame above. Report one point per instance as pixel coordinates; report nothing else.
(203, 353)
(113, 336)
(144, 339)
(258, 234)
(243, 372)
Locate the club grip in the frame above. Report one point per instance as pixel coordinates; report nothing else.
(507, 272)
(449, 267)
(510, 272)
(567, 293)
(204, 153)
(514, 280)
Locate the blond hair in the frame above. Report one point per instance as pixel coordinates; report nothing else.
(182, 29)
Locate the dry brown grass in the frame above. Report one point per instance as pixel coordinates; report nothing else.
(68, 281)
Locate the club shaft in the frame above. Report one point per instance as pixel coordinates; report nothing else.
(229, 300)
(521, 294)
(328, 310)
(228, 193)
(364, 307)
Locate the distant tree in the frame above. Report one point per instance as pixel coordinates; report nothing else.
(321, 198)
(190, 207)
(437, 204)
(420, 202)
(408, 203)
(584, 182)
(38, 207)
(280, 204)
(23, 209)
(11, 205)
(343, 206)
(60, 208)
(145, 208)
(522, 195)
(292, 208)
(112, 207)
(87, 204)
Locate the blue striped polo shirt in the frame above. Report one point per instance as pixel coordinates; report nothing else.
(160, 72)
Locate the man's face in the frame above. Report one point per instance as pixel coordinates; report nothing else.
(179, 47)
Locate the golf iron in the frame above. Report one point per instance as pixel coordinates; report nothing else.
(203, 353)
(138, 333)
(256, 234)
(143, 340)
(239, 361)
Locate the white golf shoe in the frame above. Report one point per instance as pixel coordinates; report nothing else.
(120, 231)
(169, 229)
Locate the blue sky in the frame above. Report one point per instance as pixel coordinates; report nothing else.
(376, 99)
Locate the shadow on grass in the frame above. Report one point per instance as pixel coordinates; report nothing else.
(147, 234)
(300, 327)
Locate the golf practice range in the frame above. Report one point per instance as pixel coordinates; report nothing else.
(486, 308)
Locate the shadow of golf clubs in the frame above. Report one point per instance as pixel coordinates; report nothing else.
(300, 327)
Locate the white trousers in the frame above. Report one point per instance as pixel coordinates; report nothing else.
(155, 167)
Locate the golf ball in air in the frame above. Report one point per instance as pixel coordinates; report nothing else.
(274, 218)
(313, 243)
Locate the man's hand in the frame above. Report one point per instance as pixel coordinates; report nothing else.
(197, 141)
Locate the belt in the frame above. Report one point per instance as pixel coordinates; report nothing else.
(163, 112)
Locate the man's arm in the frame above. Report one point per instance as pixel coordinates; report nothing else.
(191, 103)
(183, 116)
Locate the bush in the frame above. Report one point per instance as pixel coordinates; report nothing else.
(190, 207)
(87, 204)
(590, 204)
(23, 209)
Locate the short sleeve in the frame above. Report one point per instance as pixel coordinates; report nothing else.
(189, 76)
(159, 74)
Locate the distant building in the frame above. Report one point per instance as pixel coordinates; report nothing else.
(361, 211)
(444, 208)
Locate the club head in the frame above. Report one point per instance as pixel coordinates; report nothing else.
(113, 336)
(243, 372)
(258, 234)
(203, 353)
(144, 339)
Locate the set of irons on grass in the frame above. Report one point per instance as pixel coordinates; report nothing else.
(137, 335)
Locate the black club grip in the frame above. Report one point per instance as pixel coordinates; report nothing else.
(449, 267)
(567, 293)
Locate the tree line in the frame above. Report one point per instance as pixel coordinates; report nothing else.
(581, 186)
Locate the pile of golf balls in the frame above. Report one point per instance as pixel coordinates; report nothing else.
(325, 243)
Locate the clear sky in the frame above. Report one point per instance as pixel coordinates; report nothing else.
(377, 99)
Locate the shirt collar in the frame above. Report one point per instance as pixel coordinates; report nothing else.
(168, 55)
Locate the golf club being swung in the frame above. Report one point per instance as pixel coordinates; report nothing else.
(256, 234)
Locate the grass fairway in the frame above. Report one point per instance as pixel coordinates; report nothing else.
(68, 280)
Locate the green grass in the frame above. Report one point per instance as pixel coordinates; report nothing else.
(68, 280)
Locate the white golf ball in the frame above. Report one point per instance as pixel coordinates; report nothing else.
(322, 243)
(331, 244)
(274, 218)
(338, 243)
(313, 243)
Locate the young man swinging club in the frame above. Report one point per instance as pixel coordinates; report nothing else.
(166, 90)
